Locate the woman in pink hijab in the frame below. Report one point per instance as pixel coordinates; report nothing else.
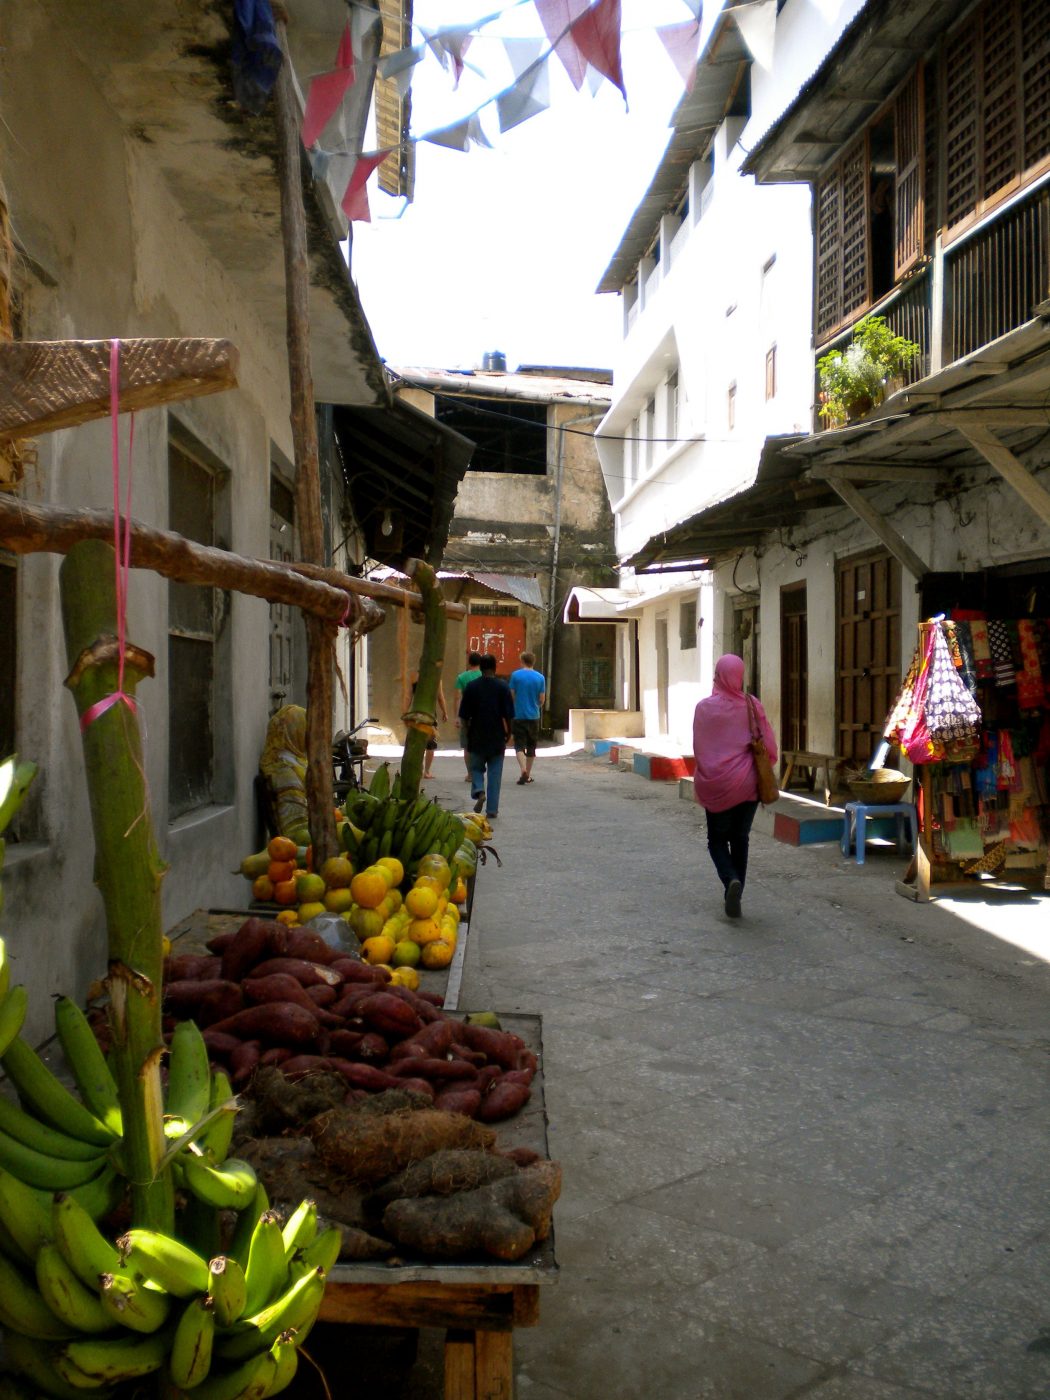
(724, 779)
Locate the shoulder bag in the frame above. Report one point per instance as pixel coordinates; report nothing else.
(768, 791)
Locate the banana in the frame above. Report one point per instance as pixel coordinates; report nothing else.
(35, 1362)
(295, 1310)
(218, 1135)
(266, 1272)
(15, 778)
(249, 1381)
(189, 1075)
(48, 1173)
(408, 846)
(132, 1304)
(227, 1187)
(12, 1015)
(246, 1223)
(104, 1361)
(300, 1228)
(67, 1297)
(47, 1099)
(26, 1218)
(5, 966)
(199, 1227)
(386, 843)
(164, 1260)
(16, 1123)
(322, 1253)
(228, 1288)
(80, 1242)
(191, 1345)
(22, 1308)
(286, 1354)
(13, 1250)
(87, 1064)
(379, 787)
(101, 1194)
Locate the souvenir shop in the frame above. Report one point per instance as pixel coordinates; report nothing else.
(973, 717)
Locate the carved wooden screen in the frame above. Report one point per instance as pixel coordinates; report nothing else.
(961, 136)
(828, 201)
(843, 256)
(1035, 76)
(909, 158)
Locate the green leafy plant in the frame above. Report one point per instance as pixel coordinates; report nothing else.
(853, 381)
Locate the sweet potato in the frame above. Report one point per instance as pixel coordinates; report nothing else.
(350, 970)
(183, 997)
(221, 942)
(364, 1076)
(253, 941)
(305, 943)
(463, 1052)
(307, 974)
(423, 1009)
(278, 986)
(243, 1061)
(503, 1100)
(408, 1050)
(343, 1043)
(279, 1022)
(389, 1015)
(503, 1219)
(527, 1060)
(372, 1049)
(518, 1076)
(219, 1043)
(434, 1039)
(322, 994)
(299, 1066)
(190, 967)
(486, 1077)
(352, 998)
(435, 1069)
(461, 1101)
(499, 1047)
(276, 1055)
(435, 998)
(419, 1086)
(367, 1148)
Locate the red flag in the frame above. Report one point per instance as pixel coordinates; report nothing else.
(328, 90)
(597, 36)
(354, 203)
(682, 42)
(345, 57)
(556, 17)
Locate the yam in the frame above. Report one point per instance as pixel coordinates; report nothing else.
(499, 1047)
(443, 1173)
(503, 1219)
(280, 1022)
(521, 1156)
(389, 1015)
(253, 941)
(306, 944)
(503, 1100)
(368, 1149)
(307, 974)
(359, 1245)
(322, 994)
(464, 1102)
(190, 967)
(279, 1104)
(419, 1086)
(243, 1061)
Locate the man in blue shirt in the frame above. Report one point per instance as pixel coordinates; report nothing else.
(529, 690)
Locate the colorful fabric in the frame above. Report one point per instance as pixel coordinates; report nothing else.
(915, 739)
(902, 705)
(283, 764)
(1003, 669)
(981, 650)
(953, 718)
(725, 764)
(1031, 687)
(964, 639)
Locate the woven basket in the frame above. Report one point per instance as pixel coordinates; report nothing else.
(880, 785)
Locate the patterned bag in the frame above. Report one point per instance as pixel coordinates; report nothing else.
(951, 718)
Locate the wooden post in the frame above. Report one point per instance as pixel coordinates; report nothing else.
(320, 635)
(128, 868)
(431, 663)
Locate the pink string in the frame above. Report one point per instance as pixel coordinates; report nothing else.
(346, 613)
(122, 552)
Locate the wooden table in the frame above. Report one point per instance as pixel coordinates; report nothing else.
(812, 763)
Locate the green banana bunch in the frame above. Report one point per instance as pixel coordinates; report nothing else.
(72, 1301)
(300, 1228)
(133, 1305)
(46, 1098)
(322, 1253)
(296, 1310)
(80, 1242)
(266, 1272)
(191, 1344)
(87, 1064)
(379, 787)
(94, 1362)
(189, 1080)
(23, 1308)
(229, 1185)
(161, 1260)
(228, 1288)
(12, 1014)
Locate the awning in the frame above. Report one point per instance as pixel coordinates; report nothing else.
(402, 470)
(586, 604)
(775, 496)
(524, 587)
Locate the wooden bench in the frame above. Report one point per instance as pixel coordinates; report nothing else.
(813, 763)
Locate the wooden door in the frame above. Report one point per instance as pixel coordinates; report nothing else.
(597, 688)
(498, 636)
(794, 667)
(869, 648)
(662, 669)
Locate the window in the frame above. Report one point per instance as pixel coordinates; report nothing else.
(510, 437)
(771, 372)
(649, 431)
(687, 624)
(8, 652)
(193, 633)
(672, 406)
(731, 407)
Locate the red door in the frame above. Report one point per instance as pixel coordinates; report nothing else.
(503, 637)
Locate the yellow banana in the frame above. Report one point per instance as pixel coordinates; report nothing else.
(191, 1345)
(35, 1362)
(66, 1296)
(296, 1310)
(300, 1228)
(92, 1362)
(132, 1304)
(266, 1272)
(87, 1064)
(158, 1257)
(228, 1288)
(47, 1099)
(227, 1187)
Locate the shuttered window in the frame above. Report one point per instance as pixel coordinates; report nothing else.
(843, 241)
(996, 82)
(909, 158)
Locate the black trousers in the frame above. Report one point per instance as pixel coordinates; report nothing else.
(727, 840)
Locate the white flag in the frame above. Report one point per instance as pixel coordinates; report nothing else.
(758, 27)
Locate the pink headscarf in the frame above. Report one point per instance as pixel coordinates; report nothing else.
(725, 766)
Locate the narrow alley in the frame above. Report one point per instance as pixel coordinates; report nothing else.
(805, 1153)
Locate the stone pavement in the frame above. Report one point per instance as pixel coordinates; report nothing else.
(805, 1153)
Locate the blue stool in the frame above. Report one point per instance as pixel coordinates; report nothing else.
(857, 814)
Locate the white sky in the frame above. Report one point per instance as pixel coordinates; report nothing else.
(502, 249)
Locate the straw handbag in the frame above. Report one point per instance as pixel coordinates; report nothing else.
(768, 791)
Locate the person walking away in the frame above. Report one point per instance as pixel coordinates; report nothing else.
(529, 690)
(487, 711)
(464, 678)
(724, 779)
(432, 743)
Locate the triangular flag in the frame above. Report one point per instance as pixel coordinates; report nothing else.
(597, 36)
(400, 67)
(323, 101)
(456, 137)
(345, 57)
(475, 132)
(449, 47)
(695, 8)
(557, 16)
(527, 98)
(682, 42)
(362, 20)
(758, 27)
(522, 53)
(593, 80)
(354, 203)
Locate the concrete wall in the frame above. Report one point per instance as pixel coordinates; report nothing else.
(109, 252)
(689, 671)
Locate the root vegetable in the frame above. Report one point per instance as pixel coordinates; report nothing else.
(190, 967)
(465, 1102)
(372, 1049)
(322, 994)
(367, 1149)
(279, 1022)
(307, 974)
(243, 1060)
(503, 1219)
(276, 1055)
(253, 941)
(219, 1043)
(353, 971)
(499, 1047)
(278, 986)
(389, 1015)
(306, 944)
(344, 1043)
(364, 1076)
(299, 1066)
(503, 1100)
(443, 1173)
(440, 1071)
(435, 1039)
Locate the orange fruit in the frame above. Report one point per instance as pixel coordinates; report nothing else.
(421, 901)
(310, 888)
(284, 892)
(281, 848)
(338, 901)
(378, 949)
(437, 866)
(424, 931)
(406, 977)
(459, 894)
(289, 917)
(281, 870)
(368, 888)
(262, 889)
(366, 923)
(310, 910)
(406, 953)
(430, 882)
(337, 872)
(394, 866)
(437, 954)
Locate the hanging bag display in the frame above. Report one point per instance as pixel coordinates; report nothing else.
(952, 715)
(768, 790)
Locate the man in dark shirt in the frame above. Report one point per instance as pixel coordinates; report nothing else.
(486, 712)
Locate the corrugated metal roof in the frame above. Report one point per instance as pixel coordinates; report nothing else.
(479, 383)
(525, 588)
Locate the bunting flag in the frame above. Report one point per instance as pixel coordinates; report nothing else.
(758, 26)
(449, 47)
(682, 42)
(354, 203)
(328, 90)
(597, 36)
(529, 96)
(400, 66)
(460, 136)
(696, 8)
(362, 21)
(557, 17)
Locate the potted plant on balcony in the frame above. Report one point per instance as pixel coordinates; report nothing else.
(855, 380)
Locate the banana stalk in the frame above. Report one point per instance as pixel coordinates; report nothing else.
(431, 660)
(129, 868)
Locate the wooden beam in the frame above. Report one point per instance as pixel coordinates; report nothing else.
(873, 471)
(993, 417)
(50, 384)
(879, 526)
(1013, 471)
(371, 588)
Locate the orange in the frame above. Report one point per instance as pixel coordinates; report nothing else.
(281, 848)
(284, 892)
(406, 977)
(289, 917)
(310, 910)
(338, 901)
(281, 870)
(394, 866)
(421, 902)
(262, 889)
(452, 912)
(368, 888)
(394, 899)
(310, 888)
(378, 949)
(437, 866)
(406, 953)
(437, 954)
(366, 923)
(337, 872)
(424, 930)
